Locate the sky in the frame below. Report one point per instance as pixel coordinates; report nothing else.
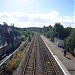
(37, 13)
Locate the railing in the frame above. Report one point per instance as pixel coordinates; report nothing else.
(7, 59)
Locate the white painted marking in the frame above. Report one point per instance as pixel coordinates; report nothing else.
(63, 68)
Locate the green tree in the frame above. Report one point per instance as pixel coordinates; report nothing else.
(67, 31)
(58, 28)
(70, 42)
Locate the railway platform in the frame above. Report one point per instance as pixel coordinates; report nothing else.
(68, 61)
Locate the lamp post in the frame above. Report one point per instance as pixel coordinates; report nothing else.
(58, 39)
(58, 34)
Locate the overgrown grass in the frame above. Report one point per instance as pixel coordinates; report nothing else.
(14, 63)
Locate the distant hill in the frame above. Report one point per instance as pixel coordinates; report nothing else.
(35, 29)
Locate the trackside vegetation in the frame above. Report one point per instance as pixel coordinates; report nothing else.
(14, 63)
(67, 34)
(58, 30)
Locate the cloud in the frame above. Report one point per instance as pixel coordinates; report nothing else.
(37, 20)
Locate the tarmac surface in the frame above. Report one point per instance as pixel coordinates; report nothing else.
(68, 61)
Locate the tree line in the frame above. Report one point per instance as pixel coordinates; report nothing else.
(67, 34)
(23, 32)
(58, 30)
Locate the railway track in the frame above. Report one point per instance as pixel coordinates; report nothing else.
(29, 68)
(48, 66)
(38, 61)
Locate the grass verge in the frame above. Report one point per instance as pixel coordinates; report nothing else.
(14, 63)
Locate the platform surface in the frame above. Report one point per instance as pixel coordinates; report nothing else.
(68, 61)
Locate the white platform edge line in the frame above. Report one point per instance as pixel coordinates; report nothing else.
(63, 68)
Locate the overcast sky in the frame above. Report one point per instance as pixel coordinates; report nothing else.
(37, 13)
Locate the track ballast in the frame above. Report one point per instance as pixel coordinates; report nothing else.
(38, 60)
